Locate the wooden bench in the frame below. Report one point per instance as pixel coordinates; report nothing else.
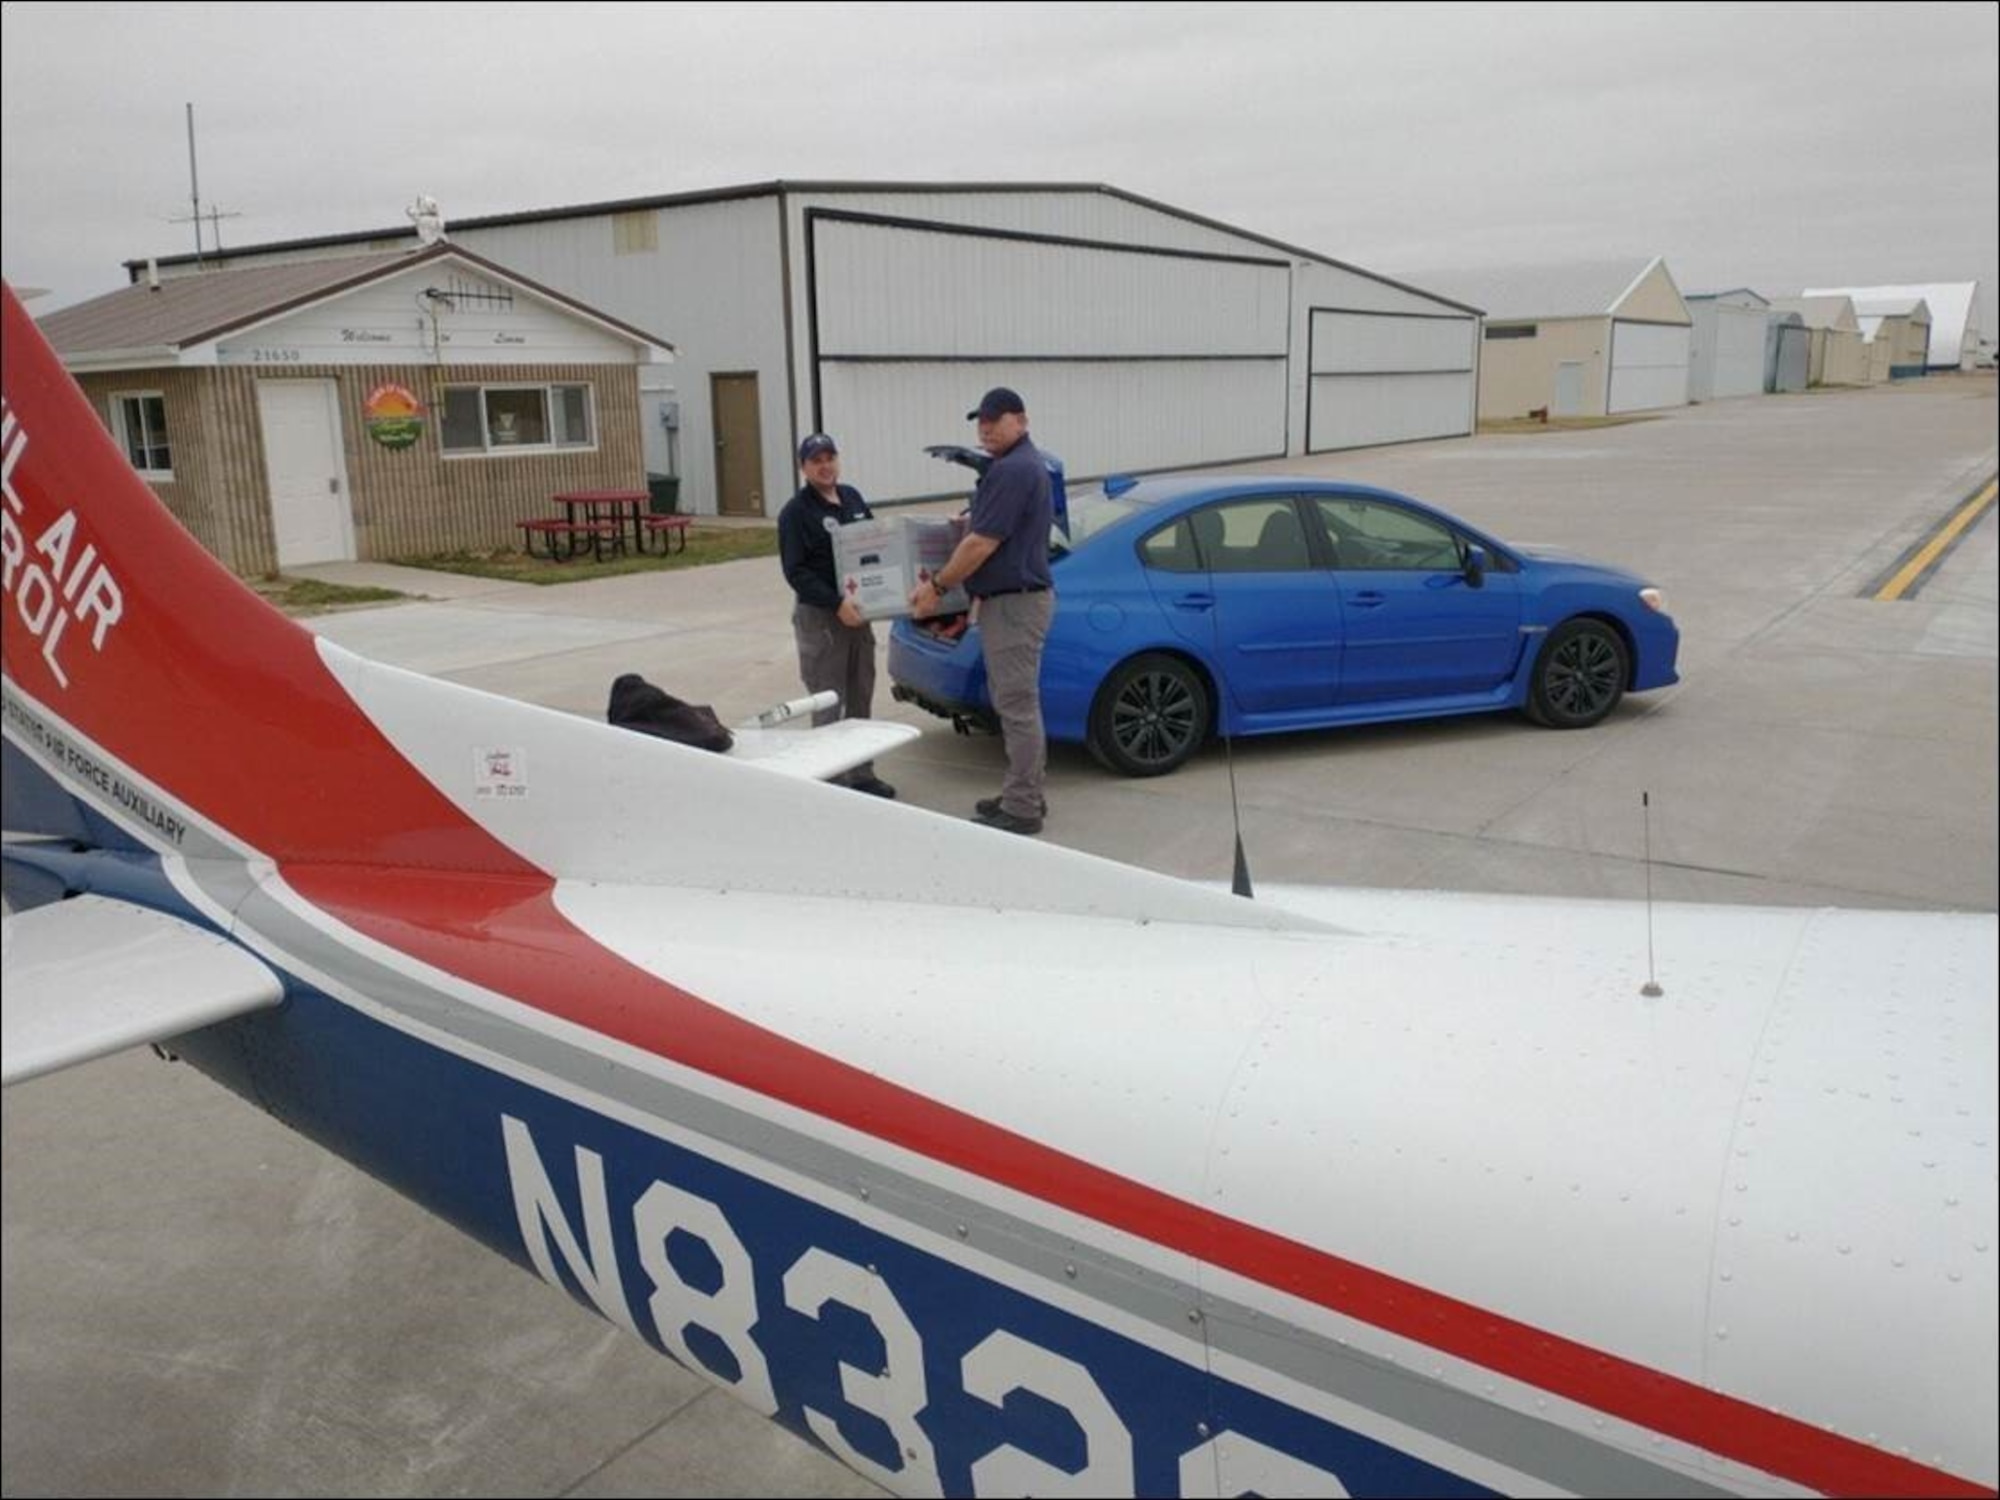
(666, 528)
(572, 532)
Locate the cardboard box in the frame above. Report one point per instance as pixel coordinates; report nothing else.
(881, 562)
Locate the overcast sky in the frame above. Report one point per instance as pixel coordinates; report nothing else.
(1774, 146)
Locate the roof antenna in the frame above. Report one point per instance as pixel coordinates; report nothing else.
(194, 186)
(214, 215)
(1651, 988)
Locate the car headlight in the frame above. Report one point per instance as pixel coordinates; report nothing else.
(1654, 600)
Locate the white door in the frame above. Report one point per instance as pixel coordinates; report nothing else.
(1388, 378)
(1569, 389)
(1649, 365)
(305, 471)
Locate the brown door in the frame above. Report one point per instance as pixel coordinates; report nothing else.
(739, 459)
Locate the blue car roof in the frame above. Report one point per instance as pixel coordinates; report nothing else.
(1160, 489)
(1174, 490)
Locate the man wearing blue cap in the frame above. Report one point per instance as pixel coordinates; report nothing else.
(836, 645)
(1004, 564)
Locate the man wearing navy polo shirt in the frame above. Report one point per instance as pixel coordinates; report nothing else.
(1004, 564)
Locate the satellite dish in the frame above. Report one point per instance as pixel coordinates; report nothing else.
(430, 223)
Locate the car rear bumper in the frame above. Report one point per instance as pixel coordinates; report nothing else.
(947, 678)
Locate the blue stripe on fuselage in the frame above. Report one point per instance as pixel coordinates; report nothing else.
(429, 1123)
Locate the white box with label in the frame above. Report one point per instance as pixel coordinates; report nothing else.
(881, 562)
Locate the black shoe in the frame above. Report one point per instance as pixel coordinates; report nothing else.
(874, 786)
(1008, 822)
(986, 807)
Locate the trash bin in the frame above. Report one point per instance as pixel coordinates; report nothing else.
(664, 492)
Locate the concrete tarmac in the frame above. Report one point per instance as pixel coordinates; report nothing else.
(196, 1302)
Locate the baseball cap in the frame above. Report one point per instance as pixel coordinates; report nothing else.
(995, 404)
(815, 445)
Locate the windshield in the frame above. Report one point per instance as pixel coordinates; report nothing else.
(1090, 511)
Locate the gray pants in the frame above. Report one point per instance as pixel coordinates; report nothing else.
(1012, 628)
(841, 657)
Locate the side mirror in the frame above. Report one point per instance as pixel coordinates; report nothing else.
(1475, 566)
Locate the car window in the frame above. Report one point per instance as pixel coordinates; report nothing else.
(1235, 536)
(1367, 534)
(1090, 511)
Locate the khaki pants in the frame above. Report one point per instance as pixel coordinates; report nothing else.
(841, 657)
(1012, 628)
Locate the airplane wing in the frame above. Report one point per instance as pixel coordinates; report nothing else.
(819, 754)
(88, 977)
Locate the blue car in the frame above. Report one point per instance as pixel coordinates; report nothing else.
(1185, 606)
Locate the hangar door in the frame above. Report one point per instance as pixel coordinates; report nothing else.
(1790, 356)
(1649, 365)
(1389, 377)
(1129, 357)
(1739, 352)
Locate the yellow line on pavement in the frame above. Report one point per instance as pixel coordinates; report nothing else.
(1947, 534)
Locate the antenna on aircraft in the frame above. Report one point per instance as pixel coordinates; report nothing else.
(1651, 988)
(1239, 880)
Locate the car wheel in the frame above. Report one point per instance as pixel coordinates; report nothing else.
(1151, 714)
(1580, 675)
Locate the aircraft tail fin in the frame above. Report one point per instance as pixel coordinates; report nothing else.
(143, 668)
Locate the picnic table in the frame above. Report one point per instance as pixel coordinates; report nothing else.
(615, 506)
(603, 518)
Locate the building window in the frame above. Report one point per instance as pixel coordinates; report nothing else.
(517, 418)
(140, 420)
(1511, 331)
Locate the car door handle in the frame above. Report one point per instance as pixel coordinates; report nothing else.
(1368, 599)
(1194, 601)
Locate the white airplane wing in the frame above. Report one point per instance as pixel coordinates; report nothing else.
(88, 977)
(818, 754)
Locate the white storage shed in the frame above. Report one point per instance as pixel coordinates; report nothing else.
(1787, 353)
(1142, 337)
(1726, 350)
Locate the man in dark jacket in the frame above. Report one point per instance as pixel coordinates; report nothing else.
(1004, 564)
(836, 645)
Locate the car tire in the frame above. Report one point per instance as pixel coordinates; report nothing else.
(1151, 714)
(1580, 675)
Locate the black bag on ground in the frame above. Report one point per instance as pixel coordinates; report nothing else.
(637, 704)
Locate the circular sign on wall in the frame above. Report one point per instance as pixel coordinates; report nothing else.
(393, 415)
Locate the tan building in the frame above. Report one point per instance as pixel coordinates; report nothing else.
(1898, 331)
(379, 406)
(1839, 354)
(1955, 316)
(1578, 340)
